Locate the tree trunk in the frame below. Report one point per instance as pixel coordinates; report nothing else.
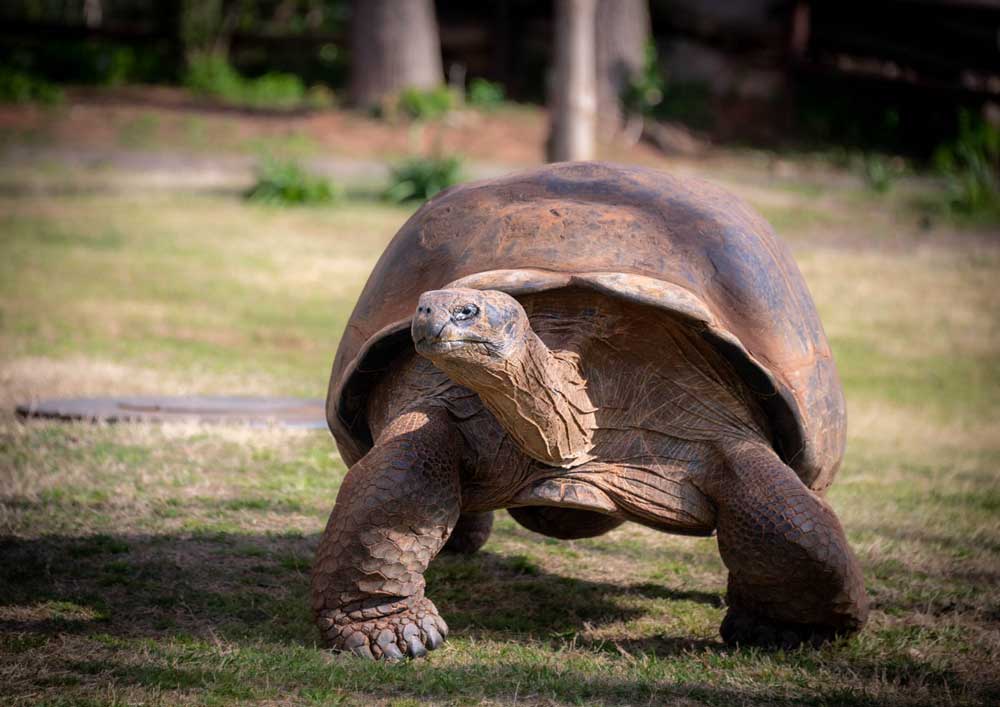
(201, 27)
(623, 31)
(394, 45)
(572, 92)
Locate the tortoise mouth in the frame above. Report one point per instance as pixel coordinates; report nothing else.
(433, 345)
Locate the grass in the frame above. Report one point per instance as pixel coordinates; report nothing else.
(169, 565)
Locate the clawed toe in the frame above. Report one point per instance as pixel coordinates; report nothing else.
(406, 634)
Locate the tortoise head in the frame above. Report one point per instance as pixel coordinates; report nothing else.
(462, 326)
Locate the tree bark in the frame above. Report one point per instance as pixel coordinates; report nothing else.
(623, 31)
(394, 45)
(572, 92)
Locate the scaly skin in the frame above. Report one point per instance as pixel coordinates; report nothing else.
(394, 512)
(792, 575)
(662, 427)
(470, 533)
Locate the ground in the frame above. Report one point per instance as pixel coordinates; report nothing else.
(169, 565)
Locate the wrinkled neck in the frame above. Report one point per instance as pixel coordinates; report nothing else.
(539, 397)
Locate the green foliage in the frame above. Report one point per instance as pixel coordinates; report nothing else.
(650, 94)
(971, 166)
(20, 87)
(879, 172)
(485, 95)
(287, 183)
(420, 178)
(688, 103)
(200, 24)
(645, 91)
(429, 104)
(100, 63)
(213, 75)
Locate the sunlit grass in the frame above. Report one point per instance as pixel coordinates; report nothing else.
(169, 564)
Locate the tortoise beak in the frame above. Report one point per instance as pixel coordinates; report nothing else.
(430, 322)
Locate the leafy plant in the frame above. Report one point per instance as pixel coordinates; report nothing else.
(651, 95)
(971, 166)
(212, 75)
(20, 87)
(420, 178)
(645, 91)
(485, 95)
(425, 104)
(287, 183)
(101, 63)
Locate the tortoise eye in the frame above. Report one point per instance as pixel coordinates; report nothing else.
(464, 312)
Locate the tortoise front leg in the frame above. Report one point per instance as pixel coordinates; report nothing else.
(394, 512)
(792, 575)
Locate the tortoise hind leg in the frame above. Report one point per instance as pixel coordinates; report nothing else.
(471, 532)
(792, 576)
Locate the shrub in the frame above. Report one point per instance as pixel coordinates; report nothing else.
(20, 87)
(420, 178)
(485, 95)
(213, 75)
(645, 91)
(971, 166)
(287, 183)
(274, 90)
(102, 63)
(421, 104)
(651, 95)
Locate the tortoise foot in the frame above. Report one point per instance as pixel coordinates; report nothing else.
(406, 629)
(743, 628)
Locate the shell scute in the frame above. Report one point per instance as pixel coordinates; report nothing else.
(630, 232)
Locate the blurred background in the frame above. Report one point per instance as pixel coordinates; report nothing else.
(882, 89)
(193, 193)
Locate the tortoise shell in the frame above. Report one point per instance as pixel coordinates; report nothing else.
(629, 232)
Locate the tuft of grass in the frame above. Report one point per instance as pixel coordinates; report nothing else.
(485, 95)
(880, 172)
(287, 183)
(420, 178)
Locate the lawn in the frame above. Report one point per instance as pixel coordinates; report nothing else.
(169, 565)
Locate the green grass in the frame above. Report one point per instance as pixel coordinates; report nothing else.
(169, 565)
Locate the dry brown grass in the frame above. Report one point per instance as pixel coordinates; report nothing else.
(168, 564)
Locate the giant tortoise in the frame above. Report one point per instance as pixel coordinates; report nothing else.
(585, 344)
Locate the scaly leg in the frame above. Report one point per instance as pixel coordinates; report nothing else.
(792, 575)
(470, 533)
(394, 512)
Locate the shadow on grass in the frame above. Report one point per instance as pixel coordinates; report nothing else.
(178, 594)
(340, 681)
(239, 586)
